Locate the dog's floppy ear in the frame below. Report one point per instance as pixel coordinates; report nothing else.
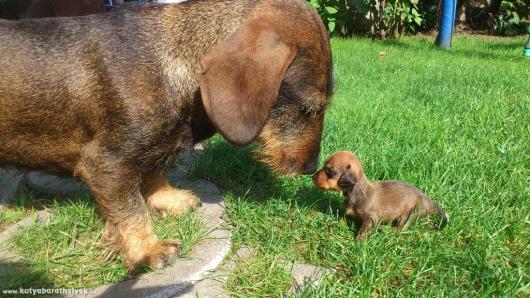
(240, 80)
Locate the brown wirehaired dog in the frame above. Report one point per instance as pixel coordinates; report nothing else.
(112, 98)
(381, 201)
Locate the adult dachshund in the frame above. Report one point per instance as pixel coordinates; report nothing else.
(112, 98)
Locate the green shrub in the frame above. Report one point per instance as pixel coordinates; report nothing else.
(338, 15)
(385, 18)
(392, 18)
(513, 17)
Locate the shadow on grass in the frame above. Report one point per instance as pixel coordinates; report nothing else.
(16, 275)
(127, 289)
(489, 50)
(234, 170)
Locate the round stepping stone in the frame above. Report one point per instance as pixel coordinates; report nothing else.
(50, 184)
(179, 277)
(6, 256)
(307, 275)
(69, 186)
(10, 181)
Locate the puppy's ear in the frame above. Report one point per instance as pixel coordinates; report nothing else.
(240, 80)
(346, 180)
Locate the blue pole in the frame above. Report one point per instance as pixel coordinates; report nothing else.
(447, 24)
(526, 50)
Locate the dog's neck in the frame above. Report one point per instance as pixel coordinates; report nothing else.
(185, 34)
(196, 27)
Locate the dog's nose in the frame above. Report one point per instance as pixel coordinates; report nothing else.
(310, 167)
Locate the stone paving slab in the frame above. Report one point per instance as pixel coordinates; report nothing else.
(10, 182)
(304, 275)
(176, 279)
(213, 284)
(55, 185)
(6, 256)
(197, 275)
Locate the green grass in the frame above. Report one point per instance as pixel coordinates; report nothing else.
(454, 123)
(266, 274)
(67, 251)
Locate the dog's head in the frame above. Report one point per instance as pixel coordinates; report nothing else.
(271, 81)
(341, 172)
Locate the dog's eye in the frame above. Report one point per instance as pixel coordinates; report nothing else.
(330, 172)
(348, 167)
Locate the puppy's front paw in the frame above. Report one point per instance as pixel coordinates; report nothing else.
(361, 236)
(173, 201)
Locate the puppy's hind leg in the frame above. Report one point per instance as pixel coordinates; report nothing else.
(405, 219)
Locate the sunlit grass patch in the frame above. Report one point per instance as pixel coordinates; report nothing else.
(67, 250)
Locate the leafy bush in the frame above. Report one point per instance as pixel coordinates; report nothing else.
(392, 18)
(513, 17)
(386, 18)
(338, 15)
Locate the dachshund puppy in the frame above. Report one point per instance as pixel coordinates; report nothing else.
(381, 201)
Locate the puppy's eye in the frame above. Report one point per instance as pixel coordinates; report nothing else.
(330, 172)
(348, 167)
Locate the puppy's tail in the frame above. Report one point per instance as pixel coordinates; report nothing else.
(430, 207)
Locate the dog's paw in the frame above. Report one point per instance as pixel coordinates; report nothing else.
(156, 256)
(173, 201)
(162, 253)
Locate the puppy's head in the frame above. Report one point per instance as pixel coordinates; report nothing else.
(341, 172)
(270, 81)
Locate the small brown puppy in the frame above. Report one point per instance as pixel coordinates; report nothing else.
(381, 201)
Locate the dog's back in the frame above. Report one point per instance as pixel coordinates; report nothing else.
(47, 79)
(127, 74)
(63, 79)
(398, 198)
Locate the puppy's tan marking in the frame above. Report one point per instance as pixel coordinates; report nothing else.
(381, 201)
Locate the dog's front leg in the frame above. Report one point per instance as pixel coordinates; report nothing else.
(128, 229)
(163, 199)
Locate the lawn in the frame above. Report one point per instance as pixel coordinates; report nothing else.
(454, 123)
(67, 252)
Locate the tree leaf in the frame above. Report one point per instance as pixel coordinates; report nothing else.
(331, 10)
(331, 26)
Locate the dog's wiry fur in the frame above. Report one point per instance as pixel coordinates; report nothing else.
(112, 98)
(373, 202)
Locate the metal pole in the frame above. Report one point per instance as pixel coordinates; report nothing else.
(526, 50)
(447, 24)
